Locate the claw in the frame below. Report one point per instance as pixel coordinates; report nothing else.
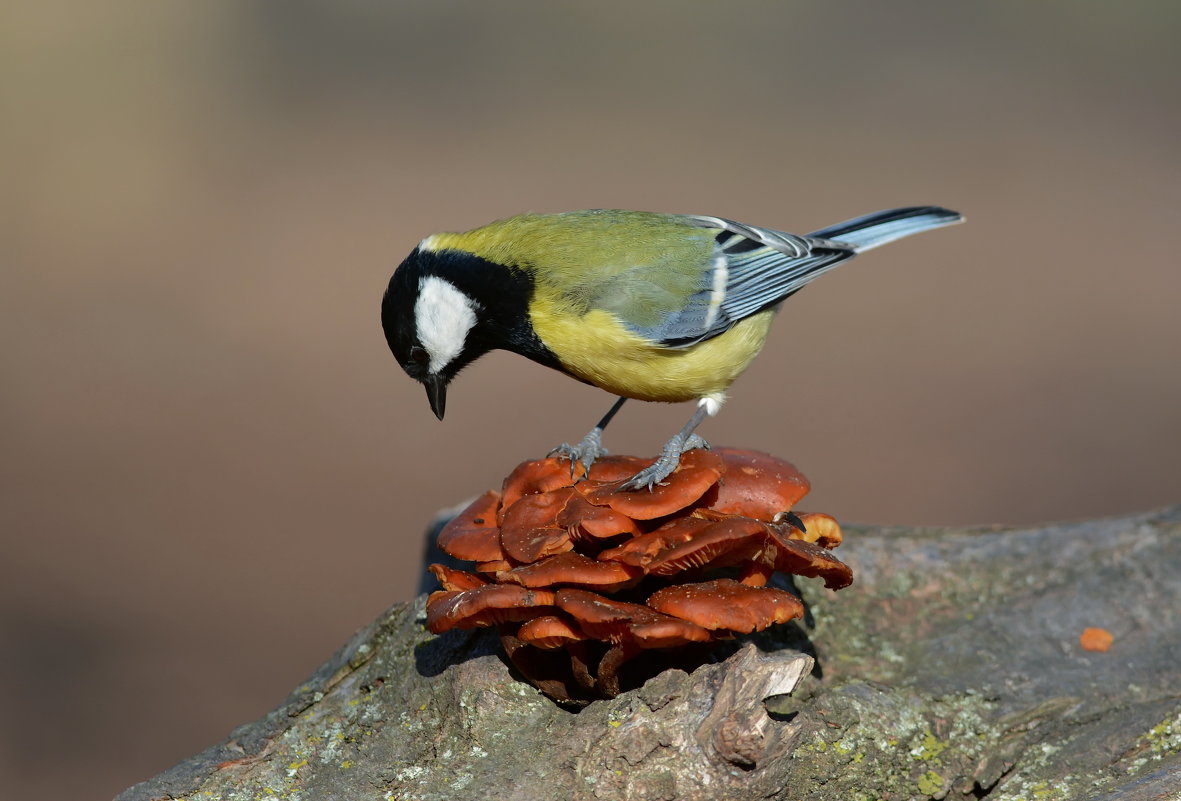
(670, 455)
(584, 453)
(662, 468)
(567, 451)
(794, 519)
(651, 475)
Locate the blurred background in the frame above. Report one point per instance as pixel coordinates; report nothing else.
(213, 471)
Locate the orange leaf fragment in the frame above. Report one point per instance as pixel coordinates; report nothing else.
(1096, 639)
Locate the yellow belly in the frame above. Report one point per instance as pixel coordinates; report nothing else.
(597, 349)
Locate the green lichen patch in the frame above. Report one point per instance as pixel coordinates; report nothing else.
(1164, 738)
(929, 783)
(901, 743)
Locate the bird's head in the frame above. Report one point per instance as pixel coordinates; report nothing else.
(432, 326)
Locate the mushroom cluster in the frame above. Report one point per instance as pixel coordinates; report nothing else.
(580, 577)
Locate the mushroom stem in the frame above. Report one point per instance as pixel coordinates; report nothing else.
(580, 665)
(525, 660)
(755, 574)
(609, 666)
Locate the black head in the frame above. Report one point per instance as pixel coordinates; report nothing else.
(444, 309)
(432, 326)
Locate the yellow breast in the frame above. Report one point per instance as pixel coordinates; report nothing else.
(598, 349)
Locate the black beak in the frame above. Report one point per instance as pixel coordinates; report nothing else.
(436, 393)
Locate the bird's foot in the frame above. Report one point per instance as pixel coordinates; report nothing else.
(662, 468)
(584, 453)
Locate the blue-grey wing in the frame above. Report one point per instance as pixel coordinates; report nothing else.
(755, 268)
(751, 270)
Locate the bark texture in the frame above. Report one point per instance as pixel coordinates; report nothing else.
(951, 668)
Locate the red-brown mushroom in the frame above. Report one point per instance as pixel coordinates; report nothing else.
(757, 485)
(494, 566)
(641, 550)
(728, 605)
(822, 529)
(628, 627)
(451, 579)
(549, 539)
(550, 670)
(584, 520)
(729, 541)
(485, 606)
(573, 569)
(473, 533)
(536, 476)
(607, 469)
(530, 530)
(698, 471)
(548, 632)
(809, 560)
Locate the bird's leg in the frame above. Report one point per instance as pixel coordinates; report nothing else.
(591, 447)
(670, 455)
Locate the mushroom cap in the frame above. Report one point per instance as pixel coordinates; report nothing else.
(619, 621)
(727, 604)
(472, 534)
(641, 550)
(451, 579)
(532, 477)
(669, 633)
(607, 469)
(484, 606)
(698, 471)
(757, 485)
(726, 542)
(573, 569)
(494, 566)
(584, 520)
(809, 560)
(822, 529)
(530, 530)
(548, 632)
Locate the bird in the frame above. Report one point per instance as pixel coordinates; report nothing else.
(644, 305)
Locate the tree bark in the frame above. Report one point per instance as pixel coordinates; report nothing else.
(952, 668)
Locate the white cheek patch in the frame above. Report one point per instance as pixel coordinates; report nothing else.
(443, 317)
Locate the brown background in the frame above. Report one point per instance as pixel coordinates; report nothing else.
(213, 470)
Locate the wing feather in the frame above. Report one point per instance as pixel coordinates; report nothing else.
(753, 268)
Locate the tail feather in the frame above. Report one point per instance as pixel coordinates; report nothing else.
(872, 230)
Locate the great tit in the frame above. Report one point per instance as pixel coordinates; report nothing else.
(658, 307)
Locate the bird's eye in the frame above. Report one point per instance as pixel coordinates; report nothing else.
(419, 356)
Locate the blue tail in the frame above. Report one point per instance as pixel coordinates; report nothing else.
(865, 233)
